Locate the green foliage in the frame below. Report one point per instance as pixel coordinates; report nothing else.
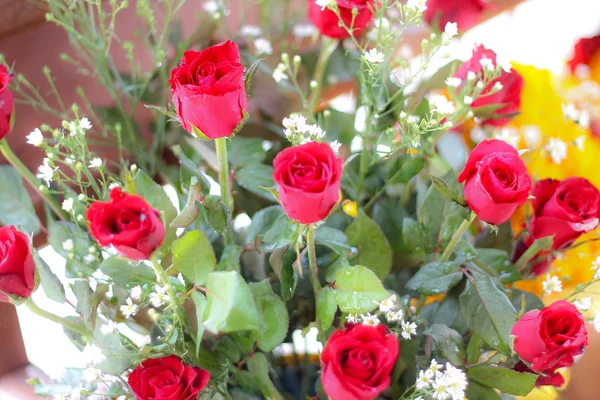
(374, 251)
(334, 239)
(61, 233)
(216, 214)
(358, 290)
(274, 315)
(52, 286)
(83, 293)
(506, 380)
(244, 151)
(449, 343)
(254, 177)
(258, 368)
(194, 257)
(271, 229)
(435, 277)
(326, 308)
(200, 304)
(16, 207)
(126, 272)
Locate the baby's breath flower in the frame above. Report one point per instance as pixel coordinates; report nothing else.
(263, 46)
(95, 163)
(279, 73)
(251, 30)
(370, 319)
(471, 76)
(35, 138)
(453, 82)
(68, 245)
(393, 316)
(303, 30)
(451, 30)
(487, 64)
(509, 135)
(129, 309)
(374, 56)
(69, 160)
(408, 329)
(388, 304)
(532, 135)
(335, 146)
(136, 292)
(109, 327)
(557, 149)
(584, 304)
(468, 100)
(478, 134)
(579, 142)
(159, 297)
(89, 258)
(498, 86)
(417, 5)
(441, 105)
(552, 284)
(425, 379)
(46, 172)
(67, 204)
(323, 3)
(352, 318)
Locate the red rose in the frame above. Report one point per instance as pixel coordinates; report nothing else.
(6, 101)
(466, 13)
(357, 362)
(327, 22)
(167, 378)
(510, 94)
(17, 269)
(496, 181)
(209, 91)
(128, 223)
(309, 179)
(548, 339)
(583, 52)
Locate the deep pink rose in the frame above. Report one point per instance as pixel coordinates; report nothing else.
(496, 181)
(328, 23)
(17, 268)
(583, 51)
(209, 91)
(6, 101)
(549, 338)
(357, 362)
(510, 94)
(308, 179)
(466, 13)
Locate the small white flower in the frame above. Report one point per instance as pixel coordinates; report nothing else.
(584, 304)
(596, 320)
(315, 132)
(478, 134)
(159, 297)
(136, 292)
(498, 86)
(88, 259)
(68, 245)
(388, 304)
(510, 135)
(77, 393)
(408, 329)
(596, 267)
(393, 316)
(109, 327)
(251, 30)
(303, 30)
(440, 391)
(571, 112)
(552, 284)
(435, 367)
(352, 318)
(370, 319)
(468, 100)
(532, 135)
(584, 119)
(211, 7)
(91, 374)
(557, 149)
(441, 105)
(487, 64)
(453, 82)
(70, 160)
(279, 73)
(451, 29)
(46, 172)
(263, 46)
(471, 76)
(95, 163)
(374, 56)
(323, 3)
(424, 379)
(129, 309)
(85, 123)
(35, 138)
(579, 142)
(67, 204)
(417, 5)
(335, 146)
(122, 397)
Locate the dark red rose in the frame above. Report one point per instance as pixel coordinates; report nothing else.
(308, 178)
(6, 101)
(167, 378)
(128, 223)
(548, 378)
(17, 268)
(466, 13)
(357, 362)
(496, 181)
(549, 338)
(562, 209)
(510, 94)
(583, 51)
(209, 91)
(327, 22)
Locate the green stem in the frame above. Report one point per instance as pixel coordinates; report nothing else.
(456, 237)
(221, 145)
(30, 178)
(164, 278)
(328, 46)
(312, 260)
(59, 320)
(542, 244)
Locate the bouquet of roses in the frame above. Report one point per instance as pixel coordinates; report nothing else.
(185, 278)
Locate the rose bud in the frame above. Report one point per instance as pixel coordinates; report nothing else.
(17, 268)
(6, 101)
(128, 223)
(167, 378)
(327, 22)
(466, 13)
(586, 55)
(562, 209)
(510, 83)
(357, 362)
(209, 91)
(549, 338)
(308, 178)
(496, 181)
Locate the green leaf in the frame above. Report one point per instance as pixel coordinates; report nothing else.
(244, 151)
(16, 207)
(83, 293)
(190, 212)
(259, 372)
(499, 262)
(488, 311)
(231, 306)
(200, 303)
(502, 239)
(449, 192)
(358, 290)
(254, 176)
(261, 221)
(532, 302)
(274, 316)
(334, 239)
(280, 233)
(505, 380)
(194, 257)
(250, 74)
(449, 343)
(431, 214)
(117, 358)
(405, 169)
(190, 171)
(435, 277)
(52, 286)
(230, 258)
(216, 213)
(476, 391)
(474, 349)
(413, 235)
(326, 308)
(126, 272)
(374, 251)
(61, 232)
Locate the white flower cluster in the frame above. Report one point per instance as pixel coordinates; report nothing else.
(393, 313)
(596, 268)
(279, 73)
(552, 284)
(374, 56)
(581, 117)
(78, 127)
(297, 131)
(442, 385)
(557, 150)
(441, 105)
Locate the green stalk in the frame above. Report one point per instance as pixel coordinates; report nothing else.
(312, 260)
(30, 178)
(328, 46)
(59, 320)
(542, 244)
(456, 237)
(164, 279)
(221, 145)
